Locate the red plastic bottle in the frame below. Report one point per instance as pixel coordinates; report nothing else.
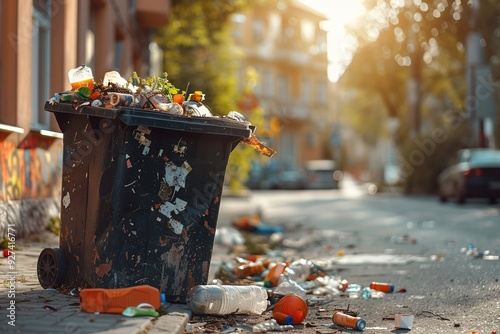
(292, 306)
(273, 276)
(346, 320)
(250, 269)
(117, 300)
(384, 287)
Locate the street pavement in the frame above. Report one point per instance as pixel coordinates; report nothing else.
(27, 308)
(464, 290)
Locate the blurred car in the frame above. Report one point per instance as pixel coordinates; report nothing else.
(322, 174)
(288, 179)
(472, 173)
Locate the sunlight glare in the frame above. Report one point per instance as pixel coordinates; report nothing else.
(339, 13)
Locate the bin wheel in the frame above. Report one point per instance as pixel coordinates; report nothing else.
(51, 268)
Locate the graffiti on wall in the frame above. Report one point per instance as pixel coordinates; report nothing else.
(29, 172)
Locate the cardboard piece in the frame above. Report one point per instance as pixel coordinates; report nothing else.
(403, 321)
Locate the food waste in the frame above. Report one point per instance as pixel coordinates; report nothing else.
(153, 93)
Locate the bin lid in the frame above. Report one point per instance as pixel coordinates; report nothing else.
(158, 119)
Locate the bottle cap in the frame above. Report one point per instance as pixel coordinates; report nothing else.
(283, 318)
(163, 298)
(361, 324)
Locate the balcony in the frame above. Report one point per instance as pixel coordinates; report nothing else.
(152, 14)
(292, 110)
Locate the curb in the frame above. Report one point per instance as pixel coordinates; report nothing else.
(174, 323)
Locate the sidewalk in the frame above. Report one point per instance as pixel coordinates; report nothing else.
(32, 309)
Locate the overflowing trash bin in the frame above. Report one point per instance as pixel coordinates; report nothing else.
(140, 197)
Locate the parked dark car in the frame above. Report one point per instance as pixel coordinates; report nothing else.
(288, 179)
(322, 174)
(472, 173)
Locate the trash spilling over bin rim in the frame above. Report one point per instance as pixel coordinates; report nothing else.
(135, 117)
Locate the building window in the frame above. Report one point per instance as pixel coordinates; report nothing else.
(311, 139)
(307, 30)
(267, 82)
(239, 23)
(282, 88)
(288, 145)
(41, 64)
(258, 30)
(258, 88)
(305, 90)
(321, 42)
(322, 92)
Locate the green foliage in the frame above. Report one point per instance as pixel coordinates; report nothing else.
(54, 226)
(423, 158)
(198, 55)
(430, 49)
(240, 160)
(157, 84)
(197, 49)
(367, 115)
(426, 42)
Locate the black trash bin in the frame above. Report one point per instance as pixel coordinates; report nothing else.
(140, 198)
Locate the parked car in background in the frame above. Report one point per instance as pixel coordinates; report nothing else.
(471, 173)
(274, 176)
(322, 174)
(288, 179)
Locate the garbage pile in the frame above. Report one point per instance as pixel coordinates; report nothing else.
(156, 94)
(275, 284)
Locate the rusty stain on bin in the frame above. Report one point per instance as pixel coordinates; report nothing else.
(103, 269)
(208, 227)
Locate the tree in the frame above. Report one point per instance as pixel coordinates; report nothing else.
(197, 50)
(198, 55)
(418, 39)
(424, 43)
(240, 161)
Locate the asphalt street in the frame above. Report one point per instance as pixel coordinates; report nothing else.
(446, 288)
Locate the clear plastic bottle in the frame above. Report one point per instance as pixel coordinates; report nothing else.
(227, 299)
(286, 285)
(353, 288)
(366, 293)
(301, 270)
(81, 77)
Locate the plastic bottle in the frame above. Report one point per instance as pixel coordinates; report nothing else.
(384, 287)
(366, 293)
(353, 288)
(268, 229)
(301, 269)
(250, 269)
(272, 278)
(81, 77)
(117, 300)
(227, 299)
(346, 320)
(286, 285)
(283, 318)
(343, 284)
(292, 305)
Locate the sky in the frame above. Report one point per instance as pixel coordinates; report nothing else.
(340, 12)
